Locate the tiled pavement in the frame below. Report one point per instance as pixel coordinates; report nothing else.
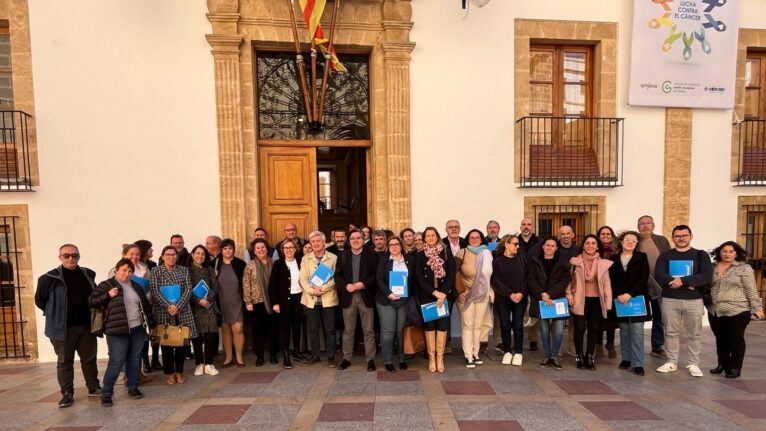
(491, 397)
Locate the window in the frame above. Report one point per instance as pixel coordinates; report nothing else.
(11, 322)
(581, 218)
(6, 81)
(560, 80)
(281, 113)
(755, 242)
(327, 189)
(755, 86)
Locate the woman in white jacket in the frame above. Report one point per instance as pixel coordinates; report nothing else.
(474, 268)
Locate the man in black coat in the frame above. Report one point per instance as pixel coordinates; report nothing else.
(355, 281)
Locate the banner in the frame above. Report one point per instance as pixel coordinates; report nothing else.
(684, 53)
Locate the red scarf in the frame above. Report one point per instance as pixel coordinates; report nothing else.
(435, 262)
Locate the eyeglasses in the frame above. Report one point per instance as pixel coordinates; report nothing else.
(74, 256)
(682, 236)
(394, 244)
(170, 255)
(453, 227)
(288, 248)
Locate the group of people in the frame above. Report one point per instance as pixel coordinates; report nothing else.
(495, 281)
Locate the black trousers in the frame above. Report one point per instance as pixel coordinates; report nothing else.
(730, 338)
(173, 359)
(511, 316)
(80, 340)
(591, 322)
(290, 318)
(205, 348)
(264, 328)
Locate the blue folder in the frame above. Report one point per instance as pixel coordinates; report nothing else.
(141, 281)
(321, 275)
(171, 293)
(633, 308)
(432, 312)
(560, 308)
(680, 268)
(201, 290)
(397, 282)
(492, 246)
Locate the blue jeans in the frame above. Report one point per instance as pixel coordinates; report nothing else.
(512, 322)
(551, 334)
(391, 326)
(124, 351)
(658, 328)
(632, 343)
(327, 316)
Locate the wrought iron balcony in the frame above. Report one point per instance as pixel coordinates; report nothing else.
(15, 171)
(570, 151)
(752, 153)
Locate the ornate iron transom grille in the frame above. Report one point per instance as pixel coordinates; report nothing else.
(281, 112)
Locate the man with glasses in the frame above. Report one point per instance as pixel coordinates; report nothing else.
(62, 294)
(291, 233)
(682, 272)
(177, 241)
(653, 245)
(455, 242)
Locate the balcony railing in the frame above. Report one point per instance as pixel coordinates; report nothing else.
(570, 151)
(15, 171)
(752, 153)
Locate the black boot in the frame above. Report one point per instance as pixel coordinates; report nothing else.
(286, 362)
(589, 362)
(717, 370)
(156, 358)
(580, 362)
(732, 373)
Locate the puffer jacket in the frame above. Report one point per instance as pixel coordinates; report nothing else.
(115, 315)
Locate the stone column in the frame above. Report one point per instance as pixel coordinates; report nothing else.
(678, 164)
(225, 49)
(395, 196)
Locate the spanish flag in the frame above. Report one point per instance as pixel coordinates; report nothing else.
(312, 14)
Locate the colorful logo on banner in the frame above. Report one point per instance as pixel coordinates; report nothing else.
(688, 12)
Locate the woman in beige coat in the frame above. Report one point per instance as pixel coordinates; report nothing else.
(590, 297)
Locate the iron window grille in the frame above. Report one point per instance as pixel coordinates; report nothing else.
(12, 333)
(582, 219)
(752, 152)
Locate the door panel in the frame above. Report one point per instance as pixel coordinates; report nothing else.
(288, 189)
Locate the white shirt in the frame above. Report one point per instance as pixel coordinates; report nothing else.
(295, 276)
(399, 265)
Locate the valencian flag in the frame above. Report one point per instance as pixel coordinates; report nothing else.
(312, 13)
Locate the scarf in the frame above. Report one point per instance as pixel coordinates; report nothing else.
(264, 272)
(435, 262)
(589, 266)
(477, 250)
(480, 288)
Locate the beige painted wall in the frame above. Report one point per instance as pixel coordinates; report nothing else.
(126, 130)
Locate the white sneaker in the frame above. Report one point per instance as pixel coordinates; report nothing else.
(199, 370)
(517, 358)
(668, 367)
(694, 371)
(210, 370)
(507, 358)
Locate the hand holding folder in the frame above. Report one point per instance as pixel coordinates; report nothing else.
(397, 282)
(322, 274)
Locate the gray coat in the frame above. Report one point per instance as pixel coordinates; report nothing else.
(205, 318)
(162, 277)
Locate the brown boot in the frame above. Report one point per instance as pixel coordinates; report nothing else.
(441, 342)
(431, 346)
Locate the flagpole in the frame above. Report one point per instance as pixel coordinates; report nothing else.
(299, 61)
(320, 115)
(313, 82)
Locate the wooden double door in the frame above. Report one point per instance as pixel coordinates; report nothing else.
(289, 188)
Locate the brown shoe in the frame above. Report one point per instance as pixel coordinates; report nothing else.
(171, 380)
(441, 341)
(431, 347)
(143, 378)
(180, 378)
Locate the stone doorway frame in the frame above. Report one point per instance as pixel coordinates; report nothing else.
(381, 27)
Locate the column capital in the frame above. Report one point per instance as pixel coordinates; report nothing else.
(224, 44)
(397, 50)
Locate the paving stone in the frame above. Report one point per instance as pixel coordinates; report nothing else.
(399, 376)
(479, 410)
(584, 387)
(753, 386)
(402, 416)
(217, 414)
(544, 416)
(399, 388)
(255, 377)
(484, 425)
(754, 409)
(467, 388)
(346, 412)
(618, 410)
